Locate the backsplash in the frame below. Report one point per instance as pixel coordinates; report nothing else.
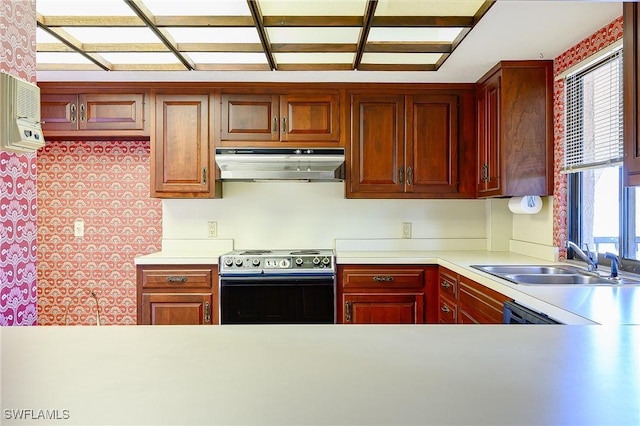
(105, 183)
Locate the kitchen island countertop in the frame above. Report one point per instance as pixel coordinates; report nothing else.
(321, 374)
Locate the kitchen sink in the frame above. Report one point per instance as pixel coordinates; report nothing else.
(550, 275)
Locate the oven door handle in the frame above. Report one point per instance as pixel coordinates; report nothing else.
(276, 279)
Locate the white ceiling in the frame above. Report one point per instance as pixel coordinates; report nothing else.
(511, 29)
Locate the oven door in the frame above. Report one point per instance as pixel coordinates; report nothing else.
(277, 299)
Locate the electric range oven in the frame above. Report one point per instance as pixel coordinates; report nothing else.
(277, 287)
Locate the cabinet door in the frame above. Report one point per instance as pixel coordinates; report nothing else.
(377, 145)
(383, 308)
(432, 144)
(97, 111)
(249, 117)
(310, 118)
(59, 111)
(631, 70)
(176, 309)
(181, 147)
(489, 138)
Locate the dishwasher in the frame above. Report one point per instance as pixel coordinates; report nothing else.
(514, 313)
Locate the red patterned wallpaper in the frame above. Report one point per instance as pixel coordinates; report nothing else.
(18, 177)
(587, 47)
(105, 183)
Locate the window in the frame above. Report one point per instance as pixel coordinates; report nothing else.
(601, 212)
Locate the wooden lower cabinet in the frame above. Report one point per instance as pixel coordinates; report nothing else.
(385, 294)
(176, 309)
(384, 308)
(463, 301)
(177, 294)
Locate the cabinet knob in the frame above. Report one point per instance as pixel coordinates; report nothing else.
(445, 309)
(446, 284)
(347, 312)
(83, 113)
(275, 124)
(73, 113)
(401, 175)
(409, 176)
(284, 125)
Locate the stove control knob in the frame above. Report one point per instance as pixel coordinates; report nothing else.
(299, 261)
(316, 260)
(238, 262)
(228, 261)
(285, 263)
(326, 261)
(255, 262)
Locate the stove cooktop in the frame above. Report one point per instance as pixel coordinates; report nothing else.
(277, 261)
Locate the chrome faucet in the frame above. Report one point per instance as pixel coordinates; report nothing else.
(615, 264)
(590, 257)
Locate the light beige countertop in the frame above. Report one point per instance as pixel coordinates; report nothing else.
(321, 375)
(569, 304)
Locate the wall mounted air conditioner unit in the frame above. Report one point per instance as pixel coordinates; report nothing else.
(20, 129)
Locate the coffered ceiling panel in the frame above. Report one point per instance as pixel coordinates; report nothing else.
(384, 35)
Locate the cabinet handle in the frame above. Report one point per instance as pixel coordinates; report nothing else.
(284, 125)
(204, 175)
(73, 113)
(445, 309)
(484, 172)
(83, 113)
(347, 312)
(384, 278)
(401, 175)
(409, 176)
(207, 312)
(446, 284)
(275, 124)
(177, 279)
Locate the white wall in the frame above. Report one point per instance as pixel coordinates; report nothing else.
(306, 215)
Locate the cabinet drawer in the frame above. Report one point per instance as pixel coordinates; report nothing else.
(447, 312)
(172, 278)
(479, 304)
(383, 278)
(448, 285)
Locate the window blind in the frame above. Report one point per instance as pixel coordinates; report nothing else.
(593, 118)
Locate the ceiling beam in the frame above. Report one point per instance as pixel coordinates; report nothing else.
(92, 21)
(407, 47)
(204, 21)
(364, 32)
(141, 10)
(254, 7)
(313, 47)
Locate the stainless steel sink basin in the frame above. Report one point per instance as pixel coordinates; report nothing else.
(557, 279)
(550, 275)
(527, 269)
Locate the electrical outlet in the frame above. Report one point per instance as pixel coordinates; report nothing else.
(406, 229)
(78, 228)
(213, 229)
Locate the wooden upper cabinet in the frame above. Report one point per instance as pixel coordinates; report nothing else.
(407, 146)
(94, 115)
(377, 146)
(181, 151)
(515, 129)
(631, 73)
(432, 144)
(260, 119)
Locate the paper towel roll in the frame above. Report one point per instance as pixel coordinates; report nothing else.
(529, 204)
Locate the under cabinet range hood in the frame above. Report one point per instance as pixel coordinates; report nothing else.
(281, 164)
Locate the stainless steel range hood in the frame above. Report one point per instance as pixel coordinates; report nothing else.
(274, 164)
